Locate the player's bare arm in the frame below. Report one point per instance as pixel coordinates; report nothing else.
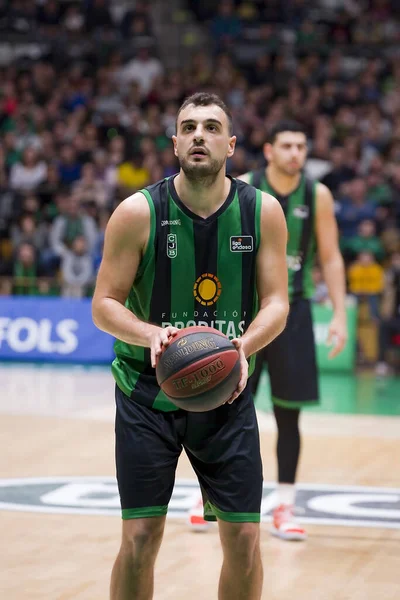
(332, 266)
(125, 241)
(272, 279)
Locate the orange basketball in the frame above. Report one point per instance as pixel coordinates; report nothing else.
(199, 370)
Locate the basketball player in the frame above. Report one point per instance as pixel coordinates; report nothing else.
(199, 226)
(291, 361)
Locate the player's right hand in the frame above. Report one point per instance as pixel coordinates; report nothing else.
(160, 341)
(244, 371)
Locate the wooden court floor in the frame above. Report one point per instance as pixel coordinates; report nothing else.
(59, 422)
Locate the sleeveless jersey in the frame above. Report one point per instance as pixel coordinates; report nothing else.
(299, 209)
(194, 271)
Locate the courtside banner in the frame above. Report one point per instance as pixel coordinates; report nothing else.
(51, 330)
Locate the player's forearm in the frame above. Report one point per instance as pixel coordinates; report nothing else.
(267, 325)
(111, 316)
(335, 279)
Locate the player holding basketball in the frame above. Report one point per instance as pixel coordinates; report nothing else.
(198, 248)
(291, 361)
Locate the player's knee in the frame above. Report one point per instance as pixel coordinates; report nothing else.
(142, 537)
(244, 545)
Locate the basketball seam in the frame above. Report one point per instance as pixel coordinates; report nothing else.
(188, 399)
(196, 358)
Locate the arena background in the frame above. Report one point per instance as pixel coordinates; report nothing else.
(89, 92)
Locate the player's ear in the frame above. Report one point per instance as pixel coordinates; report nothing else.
(231, 145)
(267, 150)
(174, 141)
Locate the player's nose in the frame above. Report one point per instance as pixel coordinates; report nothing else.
(198, 134)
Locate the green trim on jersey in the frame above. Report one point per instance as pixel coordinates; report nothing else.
(300, 214)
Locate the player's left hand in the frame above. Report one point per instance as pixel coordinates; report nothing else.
(244, 370)
(337, 334)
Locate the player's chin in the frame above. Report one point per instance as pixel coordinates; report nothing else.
(293, 170)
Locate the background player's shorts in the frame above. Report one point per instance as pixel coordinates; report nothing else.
(291, 361)
(222, 445)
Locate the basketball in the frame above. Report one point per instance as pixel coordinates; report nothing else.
(199, 370)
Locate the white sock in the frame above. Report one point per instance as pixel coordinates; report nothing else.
(286, 493)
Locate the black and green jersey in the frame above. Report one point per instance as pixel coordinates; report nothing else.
(299, 209)
(194, 271)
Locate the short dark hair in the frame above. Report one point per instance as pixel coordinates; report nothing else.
(206, 99)
(282, 126)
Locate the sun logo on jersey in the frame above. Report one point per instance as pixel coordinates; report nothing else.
(207, 289)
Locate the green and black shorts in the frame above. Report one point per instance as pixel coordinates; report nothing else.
(222, 445)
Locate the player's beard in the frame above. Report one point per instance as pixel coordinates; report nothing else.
(200, 173)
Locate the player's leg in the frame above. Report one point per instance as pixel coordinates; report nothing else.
(294, 383)
(133, 571)
(224, 448)
(147, 452)
(288, 446)
(242, 571)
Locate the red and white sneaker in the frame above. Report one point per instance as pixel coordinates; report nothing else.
(284, 524)
(196, 518)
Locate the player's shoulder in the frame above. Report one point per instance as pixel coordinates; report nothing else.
(137, 205)
(132, 216)
(321, 188)
(323, 195)
(246, 177)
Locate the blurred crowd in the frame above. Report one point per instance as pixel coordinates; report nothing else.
(89, 121)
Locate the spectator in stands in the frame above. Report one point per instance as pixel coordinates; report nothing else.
(140, 12)
(132, 175)
(354, 208)
(76, 269)
(366, 281)
(98, 15)
(225, 26)
(28, 174)
(25, 271)
(69, 225)
(143, 69)
(90, 189)
(340, 172)
(69, 167)
(365, 241)
(27, 231)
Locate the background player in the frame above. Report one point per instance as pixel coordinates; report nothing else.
(291, 361)
(158, 243)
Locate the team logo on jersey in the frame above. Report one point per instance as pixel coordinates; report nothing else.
(301, 212)
(172, 245)
(242, 243)
(207, 289)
